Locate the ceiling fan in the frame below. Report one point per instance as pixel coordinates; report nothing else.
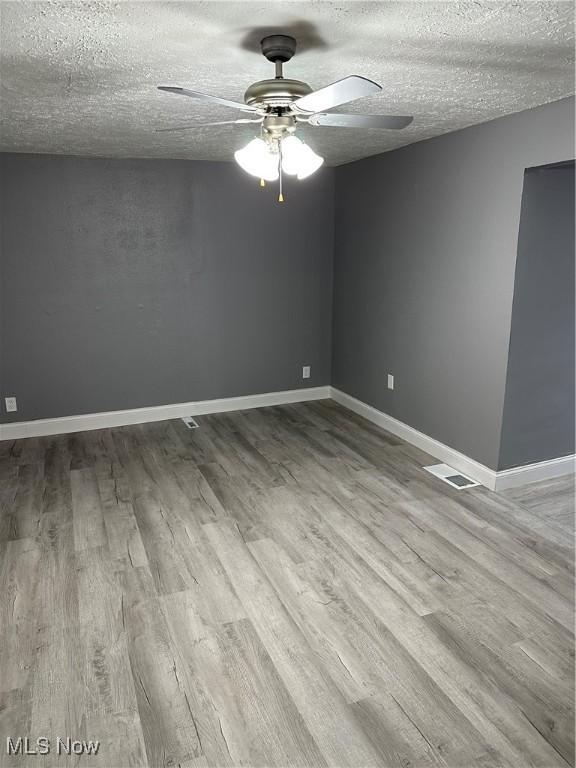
(278, 105)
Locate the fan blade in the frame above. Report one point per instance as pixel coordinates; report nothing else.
(390, 122)
(340, 92)
(242, 121)
(198, 95)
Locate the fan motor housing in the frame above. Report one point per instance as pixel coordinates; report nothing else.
(279, 92)
(279, 126)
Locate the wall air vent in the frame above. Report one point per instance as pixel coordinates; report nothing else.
(451, 476)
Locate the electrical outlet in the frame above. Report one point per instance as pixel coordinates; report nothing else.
(305, 371)
(390, 381)
(10, 404)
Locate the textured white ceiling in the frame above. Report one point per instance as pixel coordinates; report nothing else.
(79, 77)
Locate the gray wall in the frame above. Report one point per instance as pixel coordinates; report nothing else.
(425, 253)
(538, 422)
(131, 283)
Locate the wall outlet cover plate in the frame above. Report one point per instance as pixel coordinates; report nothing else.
(451, 476)
(10, 403)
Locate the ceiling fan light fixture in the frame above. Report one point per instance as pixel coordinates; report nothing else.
(278, 105)
(257, 160)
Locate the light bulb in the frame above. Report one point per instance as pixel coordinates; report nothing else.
(257, 159)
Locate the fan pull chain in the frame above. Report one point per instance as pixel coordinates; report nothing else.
(280, 196)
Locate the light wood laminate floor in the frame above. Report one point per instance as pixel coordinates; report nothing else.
(280, 587)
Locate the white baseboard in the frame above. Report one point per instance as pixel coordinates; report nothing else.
(532, 473)
(435, 448)
(508, 478)
(495, 481)
(88, 421)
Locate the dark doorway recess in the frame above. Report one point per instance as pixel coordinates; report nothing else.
(538, 422)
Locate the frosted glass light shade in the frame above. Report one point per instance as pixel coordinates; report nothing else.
(309, 162)
(291, 149)
(298, 159)
(257, 159)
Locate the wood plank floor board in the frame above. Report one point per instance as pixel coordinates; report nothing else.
(554, 498)
(319, 701)
(215, 598)
(245, 714)
(442, 513)
(282, 586)
(538, 697)
(88, 520)
(415, 581)
(58, 692)
(395, 734)
(329, 639)
(15, 714)
(504, 511)
(358, 651)
(480, 701)
(526, 577)
(202, 672)
(451, 738)
(168, 724)
(19, 574)
(26, 506)
(122, 532)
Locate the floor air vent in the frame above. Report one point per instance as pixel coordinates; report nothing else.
(190, 422)
(451, 476)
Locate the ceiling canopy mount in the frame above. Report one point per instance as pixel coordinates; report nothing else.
(278, 48)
